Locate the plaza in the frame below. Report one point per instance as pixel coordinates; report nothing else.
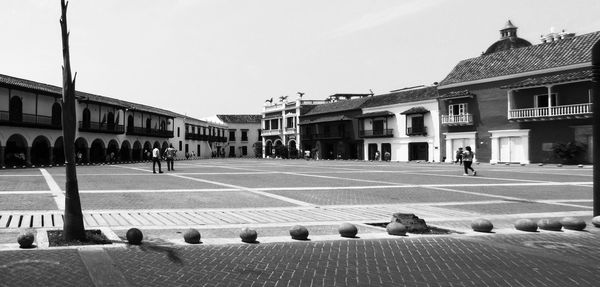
(220, 196)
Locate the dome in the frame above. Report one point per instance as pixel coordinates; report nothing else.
(507, 44)
(508, 40)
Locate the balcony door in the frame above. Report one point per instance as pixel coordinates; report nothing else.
(378, 126)
(511, 149)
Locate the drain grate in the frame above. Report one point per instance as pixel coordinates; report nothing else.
(31, 220)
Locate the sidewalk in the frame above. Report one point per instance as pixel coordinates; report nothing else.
(504, 258)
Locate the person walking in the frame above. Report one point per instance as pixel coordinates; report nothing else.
(170, 155)
(459, 157)
(156, 160)
(467, 158)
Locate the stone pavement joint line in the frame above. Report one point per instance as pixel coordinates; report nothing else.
(57, 193)
(101, 268)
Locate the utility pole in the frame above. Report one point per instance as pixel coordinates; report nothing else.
(73, 222)
(596, 128)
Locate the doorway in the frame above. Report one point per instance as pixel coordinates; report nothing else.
(418, 151)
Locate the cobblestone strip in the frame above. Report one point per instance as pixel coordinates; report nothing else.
(102, 270)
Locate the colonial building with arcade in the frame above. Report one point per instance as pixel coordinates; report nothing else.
(108, 129)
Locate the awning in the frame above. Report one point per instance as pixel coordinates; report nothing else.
(553, 79)
(376, 114)
(456, 95)
(415, 110)
(324, 120)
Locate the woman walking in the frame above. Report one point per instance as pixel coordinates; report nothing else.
(467, 158)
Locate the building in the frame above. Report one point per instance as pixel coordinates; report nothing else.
(330, 131)
(518, 102)
(280, 125)
(108, 129)
(243, 135)
(402, 125)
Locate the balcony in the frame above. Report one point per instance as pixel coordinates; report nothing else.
(96, 127)
(139, 131)
(421, 131)
(275, 132)
(575, 111)
(273, 107)
(457, 120)
(197, 137)
(385, 133)
(29, 120)
(327, 136)
(290, 131)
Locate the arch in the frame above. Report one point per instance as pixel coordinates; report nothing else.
(110, 121)
(86, 118)
(15, 151)
(58, 151)
(125, 152)
(137, 151)
(112, 151)
(268, 148)
(292, 149)
(97, 151)
(15, 110)
(156, 144)
(147, 150)
(40, 151)
(81, 146)
(164, 147)
(56, 114)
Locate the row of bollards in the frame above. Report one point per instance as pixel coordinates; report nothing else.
(569, 222)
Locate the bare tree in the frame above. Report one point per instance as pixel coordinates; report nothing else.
(73, 222)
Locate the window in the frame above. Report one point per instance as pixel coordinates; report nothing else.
(275, 124)
(178, 131)
(415, 125)
(289, 122)
(457, 109)
(231, 135)
(259, 135)
(86, 118)
(244, 150)
(180, 145)
(267, 125)
(378, 126)
(244, 136)
(231, 151)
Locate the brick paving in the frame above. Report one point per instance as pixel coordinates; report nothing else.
(254, 193)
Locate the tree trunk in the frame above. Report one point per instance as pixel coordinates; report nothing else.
(73, 222)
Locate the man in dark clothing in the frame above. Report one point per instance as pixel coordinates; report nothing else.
(170, 155)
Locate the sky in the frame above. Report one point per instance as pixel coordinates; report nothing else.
(201, 57)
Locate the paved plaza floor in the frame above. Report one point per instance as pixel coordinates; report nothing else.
(220, 196)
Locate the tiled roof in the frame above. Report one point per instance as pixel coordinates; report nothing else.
(403, 96)
(57, 91)
(343, 105)
(415, 110)
(240, 119)
(324, 119)
(553, 79)
(564, 52)
(457, 94)
(376, 114)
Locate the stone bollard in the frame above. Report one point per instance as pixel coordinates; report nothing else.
(549, 224)
(299, 232)
(134, 236)
(526, 225)
(396, 228)
(191, 236)
(348, 230)
(248, 235)
(482, 225)
(596, 221)
(26, 239)
(573, 223)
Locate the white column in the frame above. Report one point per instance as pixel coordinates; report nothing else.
(550, 100)
(525, 142)
(509, 96)
(495, 143)
(449, 151)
